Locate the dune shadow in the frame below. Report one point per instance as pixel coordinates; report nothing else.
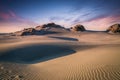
(35, 53)
(65, 38)
(45, 32)
(42, 32)
(39, 52)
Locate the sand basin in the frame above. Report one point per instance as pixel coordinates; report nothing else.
(82, 56)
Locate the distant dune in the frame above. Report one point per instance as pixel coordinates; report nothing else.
(52, 28)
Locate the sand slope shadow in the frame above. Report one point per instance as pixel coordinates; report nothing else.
(35, 53)
(65, 38)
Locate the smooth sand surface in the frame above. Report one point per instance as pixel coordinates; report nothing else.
(73, 56)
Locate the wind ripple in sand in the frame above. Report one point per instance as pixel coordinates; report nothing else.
(84, 72)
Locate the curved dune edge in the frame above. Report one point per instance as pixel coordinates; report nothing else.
(81, 72)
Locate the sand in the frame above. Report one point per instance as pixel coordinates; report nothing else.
(66, 56)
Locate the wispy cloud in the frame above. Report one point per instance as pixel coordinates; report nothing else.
(101, 23)
(12, 16)
(10, 22)
(96, 17)
(5, 16)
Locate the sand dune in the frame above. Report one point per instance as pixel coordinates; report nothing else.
(73, 56)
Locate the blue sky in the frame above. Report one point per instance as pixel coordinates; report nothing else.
(93, 14)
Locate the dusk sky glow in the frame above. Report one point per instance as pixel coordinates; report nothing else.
(93, 14)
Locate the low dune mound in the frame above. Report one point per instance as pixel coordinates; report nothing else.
(78, 27)
(114, 28)
(49, 25)
(52, 25)
(28, 31)
(49, 28)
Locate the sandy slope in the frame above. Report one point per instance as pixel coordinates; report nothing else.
(73, 56)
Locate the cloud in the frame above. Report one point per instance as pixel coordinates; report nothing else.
(96, 15)
(8, 16)
(102, 23)
(11, 16)
(57, 18)
(4, 16)
(11, 22)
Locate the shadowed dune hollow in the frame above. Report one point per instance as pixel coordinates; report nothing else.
(34, 53)
(38, 53)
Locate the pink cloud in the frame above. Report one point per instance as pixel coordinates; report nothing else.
(12, 16)
(101, 23)
(4, 16)
(9, 15)
(10, 22)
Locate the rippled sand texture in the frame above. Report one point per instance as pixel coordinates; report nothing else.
(87, 56)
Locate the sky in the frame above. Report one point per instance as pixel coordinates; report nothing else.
(92, 14)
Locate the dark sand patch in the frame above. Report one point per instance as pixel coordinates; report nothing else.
(35, 53)
(40, 52)
(65, 38)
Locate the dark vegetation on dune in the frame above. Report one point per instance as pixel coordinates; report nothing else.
(114, 28)
(78, 28)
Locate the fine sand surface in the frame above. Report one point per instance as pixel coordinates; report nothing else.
(64, 56)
